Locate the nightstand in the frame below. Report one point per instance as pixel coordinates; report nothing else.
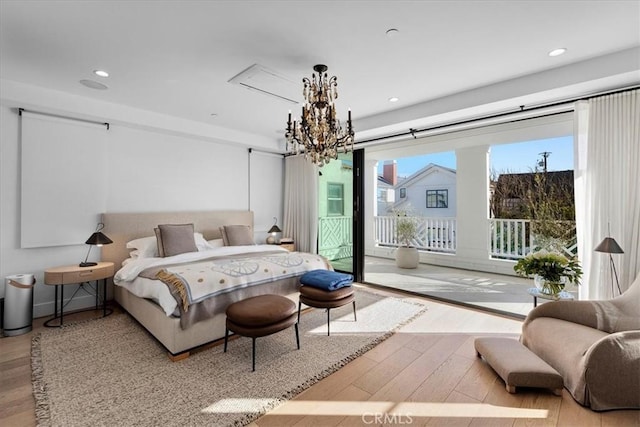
(290, 246)
(73, 274)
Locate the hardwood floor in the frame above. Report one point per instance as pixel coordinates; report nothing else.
(425, 375)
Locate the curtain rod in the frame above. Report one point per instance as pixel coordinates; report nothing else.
(20, 110)
(272, 153)
(566, 102)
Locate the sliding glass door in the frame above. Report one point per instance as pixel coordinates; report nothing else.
(335, 216)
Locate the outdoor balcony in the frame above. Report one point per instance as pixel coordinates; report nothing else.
(480, 278)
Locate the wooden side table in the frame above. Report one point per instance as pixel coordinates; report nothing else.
(73, 274)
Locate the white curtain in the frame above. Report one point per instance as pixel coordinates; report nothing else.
(301, 203)
(607, 186)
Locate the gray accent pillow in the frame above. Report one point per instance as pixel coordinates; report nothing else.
(223, 233)
(159, 242)
(237, 235)
(176, 239)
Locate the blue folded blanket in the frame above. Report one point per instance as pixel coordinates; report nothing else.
(326, 279)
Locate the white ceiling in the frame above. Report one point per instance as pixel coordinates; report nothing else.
(176, 57)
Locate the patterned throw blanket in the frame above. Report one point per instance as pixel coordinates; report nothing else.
(195, 282)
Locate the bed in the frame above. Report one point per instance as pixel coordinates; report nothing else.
(180, 338)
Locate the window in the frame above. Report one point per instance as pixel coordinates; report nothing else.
(403, 193)
(437, 198)
(335, 199)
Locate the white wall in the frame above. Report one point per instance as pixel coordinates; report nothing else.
(148, 169)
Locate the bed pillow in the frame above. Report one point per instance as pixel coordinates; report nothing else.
(199, 239)
(215, 243)
(134, 254)
(201, 243)
(147, 247)
(160, 250)
(236, 235)
(176, 239)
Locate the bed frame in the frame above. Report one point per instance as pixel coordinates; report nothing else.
(123, 227)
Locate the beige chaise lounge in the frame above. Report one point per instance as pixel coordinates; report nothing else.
(594, 345)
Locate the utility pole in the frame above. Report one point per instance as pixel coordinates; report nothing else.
(543, 162)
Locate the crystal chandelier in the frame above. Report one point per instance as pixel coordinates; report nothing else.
(318, 133)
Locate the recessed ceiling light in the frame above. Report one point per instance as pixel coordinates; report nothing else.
(394, 99)
(557, 52)
(392, 32)
(93, 85)
(101, 73)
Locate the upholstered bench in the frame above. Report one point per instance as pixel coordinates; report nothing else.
(319, 298)
(517, 365)
(260, 316)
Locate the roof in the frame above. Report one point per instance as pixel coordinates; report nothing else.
(429, 168)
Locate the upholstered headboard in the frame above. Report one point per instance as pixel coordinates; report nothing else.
(123, 227)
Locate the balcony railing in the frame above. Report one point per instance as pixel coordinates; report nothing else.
(334, 237)
(513, 239)
(434, 234)
(509, 238)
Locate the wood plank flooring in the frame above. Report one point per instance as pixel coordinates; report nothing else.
(425, 375)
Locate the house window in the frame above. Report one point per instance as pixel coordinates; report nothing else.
(437, 198)
(335, 199)
(403, 193)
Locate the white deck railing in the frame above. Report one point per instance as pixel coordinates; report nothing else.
(434, 234)
(512, 239)
(509, 238)
(335, 239)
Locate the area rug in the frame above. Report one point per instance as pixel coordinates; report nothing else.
(110, 371)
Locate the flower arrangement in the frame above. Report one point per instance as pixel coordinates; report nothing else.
(555, 269)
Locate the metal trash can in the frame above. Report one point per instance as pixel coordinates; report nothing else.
(18, 304)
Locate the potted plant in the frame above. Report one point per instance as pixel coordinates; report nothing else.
(551, 271)
(406, 231)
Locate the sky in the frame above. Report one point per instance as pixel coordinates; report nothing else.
(520, 157)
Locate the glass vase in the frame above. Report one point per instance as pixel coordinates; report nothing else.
(549, 287)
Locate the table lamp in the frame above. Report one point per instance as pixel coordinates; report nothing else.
(96, 239)
(273, 232)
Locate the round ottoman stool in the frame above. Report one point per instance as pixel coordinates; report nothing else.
(260, 316)
(319, 298)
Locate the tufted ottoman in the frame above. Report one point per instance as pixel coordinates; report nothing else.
(319, 298)
(260, 316)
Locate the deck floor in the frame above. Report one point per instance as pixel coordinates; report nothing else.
(495, 292)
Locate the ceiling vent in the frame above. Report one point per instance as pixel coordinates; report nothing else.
(266, 81)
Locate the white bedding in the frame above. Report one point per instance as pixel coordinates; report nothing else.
(127, 276)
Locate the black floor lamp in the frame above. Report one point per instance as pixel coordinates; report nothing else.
(610, 246)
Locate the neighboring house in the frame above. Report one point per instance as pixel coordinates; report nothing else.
(517, 195)
(386, 181)
(335, 201)
(430, 192)
(386, 196)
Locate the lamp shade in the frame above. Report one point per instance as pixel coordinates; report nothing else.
(275, 229)
(609, 246)
(98, 238)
